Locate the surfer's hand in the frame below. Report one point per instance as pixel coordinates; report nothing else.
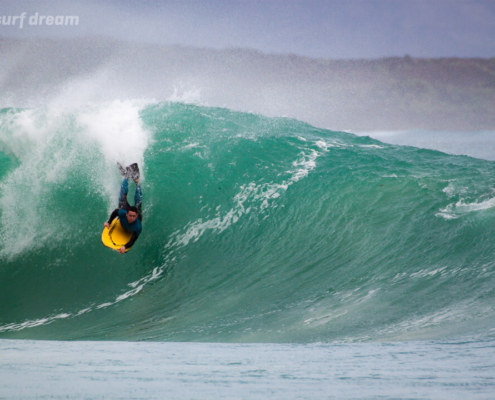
(106, 225)
(122, 250)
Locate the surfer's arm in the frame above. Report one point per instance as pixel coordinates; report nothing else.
(132, 241)
(113, 215)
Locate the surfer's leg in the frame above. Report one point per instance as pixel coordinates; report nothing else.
(138, 200)
(124, 189)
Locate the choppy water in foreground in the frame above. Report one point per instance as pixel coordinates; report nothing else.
(80, 370)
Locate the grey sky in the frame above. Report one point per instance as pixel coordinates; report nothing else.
(328, 29)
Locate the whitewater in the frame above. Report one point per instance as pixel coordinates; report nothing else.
(277, 260)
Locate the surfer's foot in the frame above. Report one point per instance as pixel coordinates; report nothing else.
(133, 172)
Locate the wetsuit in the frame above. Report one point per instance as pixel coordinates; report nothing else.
(124, 206)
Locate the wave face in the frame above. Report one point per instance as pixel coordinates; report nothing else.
(255, 230)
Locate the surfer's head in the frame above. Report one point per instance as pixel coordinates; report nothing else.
(132, 214)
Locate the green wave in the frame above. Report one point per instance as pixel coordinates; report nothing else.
(254, 230)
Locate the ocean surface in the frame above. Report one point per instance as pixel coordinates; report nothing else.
(257, 230)
(170, 370)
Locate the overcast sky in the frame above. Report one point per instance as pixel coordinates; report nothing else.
(315, 28)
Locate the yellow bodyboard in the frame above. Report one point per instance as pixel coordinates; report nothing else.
(115, 236)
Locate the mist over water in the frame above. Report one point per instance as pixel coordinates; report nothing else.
(393, 94)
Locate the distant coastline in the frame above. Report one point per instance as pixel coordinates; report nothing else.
(356, 95)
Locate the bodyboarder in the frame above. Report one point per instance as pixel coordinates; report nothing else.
(130, 216)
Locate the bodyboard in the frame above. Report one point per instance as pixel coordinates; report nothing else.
(115, 236)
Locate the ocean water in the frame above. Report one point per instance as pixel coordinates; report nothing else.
(256, 230)
(171, 370)
(477, 144)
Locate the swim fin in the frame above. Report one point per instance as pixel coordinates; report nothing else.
(131, 171)
(122, 170)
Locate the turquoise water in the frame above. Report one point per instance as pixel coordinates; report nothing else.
(255, 229)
